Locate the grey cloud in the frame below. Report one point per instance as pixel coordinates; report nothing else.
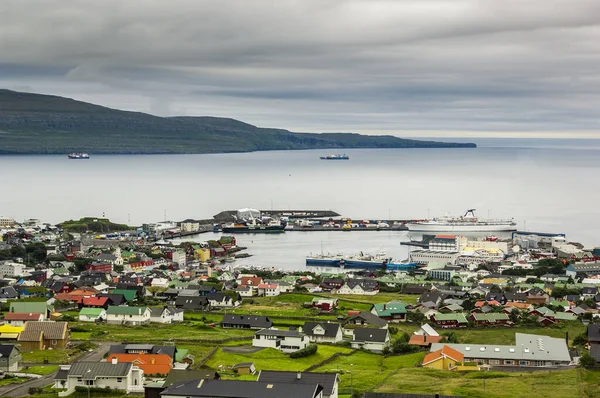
(318, 65)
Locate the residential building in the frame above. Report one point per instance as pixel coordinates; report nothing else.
(189, 226)
(257, 322)
(330, 284)
(323, 332)
(7, 221)
(237, 388)
(363, 320)
(450, 320)
(44, 335)
(10, 269)
(370, 339)
(284, 340)
(179, 257)
(114, 375)
(329, 381)
(10, 358)
(166, 315)
(530, 350)
(426, 330)
(120, 315)
(196, 303)
(151, 364)
(490, 319)
(19, 318)
(368, 287)
(170, 350)
(324, 304)
(593, 335)
(444, 358)
(393, 311)
(92, 314)
(105, 267)
(268, 289)
(450, 243)
(222, 300)
(424, 340)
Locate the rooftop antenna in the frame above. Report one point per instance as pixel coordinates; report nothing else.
(165, 215)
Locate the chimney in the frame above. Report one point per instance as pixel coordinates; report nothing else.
(298, 375)
(114, 361)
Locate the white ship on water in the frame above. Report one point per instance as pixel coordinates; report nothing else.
(467, 223)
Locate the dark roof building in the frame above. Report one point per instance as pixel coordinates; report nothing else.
(241, 389)
(246, 321)
(329, 381)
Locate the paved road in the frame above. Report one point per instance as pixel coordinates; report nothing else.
(22, 389)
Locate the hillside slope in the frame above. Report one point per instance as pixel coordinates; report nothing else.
(38, 124)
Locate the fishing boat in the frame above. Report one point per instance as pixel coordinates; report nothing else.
(325, 260)
(363, 260)
(338, 156)
(78, 155)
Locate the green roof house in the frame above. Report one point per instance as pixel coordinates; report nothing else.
(393, 311)
(128, 294)
(92, 314)
(39, 307)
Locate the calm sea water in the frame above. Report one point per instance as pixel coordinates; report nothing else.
(548, 185)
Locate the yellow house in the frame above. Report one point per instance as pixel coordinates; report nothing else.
(444, 359)
(8, 332)
(202, 254)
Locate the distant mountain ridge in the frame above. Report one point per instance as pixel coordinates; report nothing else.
(45, 124)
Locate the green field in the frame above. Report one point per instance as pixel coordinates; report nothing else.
(562, 384)
(159, 333)
(51, 356)
(272, 359)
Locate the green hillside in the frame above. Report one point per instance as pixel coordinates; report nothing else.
(40, 124)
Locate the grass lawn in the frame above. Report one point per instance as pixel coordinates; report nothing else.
(81, 335)
(52, 356)
(379, 298)
(562, 383)
(363, 371)
(12, 380)
(272, 359)
(159, 333)
(40, 370)
(507, 335)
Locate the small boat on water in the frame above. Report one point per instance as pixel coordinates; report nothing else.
(335, 157)
(78, 155)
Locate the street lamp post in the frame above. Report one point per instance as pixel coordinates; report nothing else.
(351, 382)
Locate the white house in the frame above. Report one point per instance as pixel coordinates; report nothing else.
(11, 269)
(221, 300)
(268, 289)
(127, 315)
(114, 375)
(92, 314)
(370, 339)
(245, 291)
(166, 315)
(368, 287)
(323, 332)
(284, 340)
(179, 257)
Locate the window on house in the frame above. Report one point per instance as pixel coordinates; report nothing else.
(54, 342)
(119, 379)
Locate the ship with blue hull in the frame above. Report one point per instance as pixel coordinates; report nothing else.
(367, 261)
(407, 267)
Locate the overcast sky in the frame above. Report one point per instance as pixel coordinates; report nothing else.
(414, 68)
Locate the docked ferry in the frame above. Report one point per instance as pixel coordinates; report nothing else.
(466, 223)
(78, 155)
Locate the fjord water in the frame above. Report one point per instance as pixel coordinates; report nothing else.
(546, 185)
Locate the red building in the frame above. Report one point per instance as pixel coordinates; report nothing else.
(99, 267)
